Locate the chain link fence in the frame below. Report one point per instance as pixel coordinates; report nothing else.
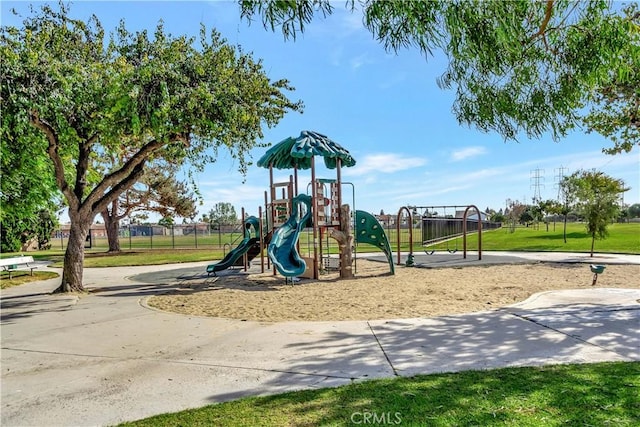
(153, 236)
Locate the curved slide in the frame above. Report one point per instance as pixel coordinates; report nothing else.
(369, 230)
(282, 249)
(243, 247)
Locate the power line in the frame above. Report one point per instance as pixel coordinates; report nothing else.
(536, 178)
(558, 179)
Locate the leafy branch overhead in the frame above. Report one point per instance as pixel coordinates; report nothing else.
(517, 67)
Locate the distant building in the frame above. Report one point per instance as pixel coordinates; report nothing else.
(386, 220)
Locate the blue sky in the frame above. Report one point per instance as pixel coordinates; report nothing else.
(385, 108)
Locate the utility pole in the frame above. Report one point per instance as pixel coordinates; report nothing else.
(536, 177)
(559, 174)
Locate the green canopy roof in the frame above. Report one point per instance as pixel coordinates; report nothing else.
(297, 152)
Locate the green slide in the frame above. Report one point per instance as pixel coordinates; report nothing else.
(282, 249)
(369, 230)
(247, 243)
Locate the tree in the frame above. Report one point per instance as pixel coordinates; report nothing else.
(76, 96)
(634, 210)
(553, 207)
(157, 191)
(527, 216)
(222, 213)
(498, 217)
(18, 233)
(597, 200)
(514, 212)
(166, 221)
(616, 112)
(568, 194)
(28, 193)
(517, 66)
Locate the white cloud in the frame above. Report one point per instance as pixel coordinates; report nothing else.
(335, 55)
(467, 153)
(385, 163)
(435, 191)
(352, 22)
(360, 60)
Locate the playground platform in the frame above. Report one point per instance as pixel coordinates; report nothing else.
(105, 357)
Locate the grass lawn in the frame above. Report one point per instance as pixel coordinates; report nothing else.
(136, 257)
(18, 278)
(603, 394)
(623, 239)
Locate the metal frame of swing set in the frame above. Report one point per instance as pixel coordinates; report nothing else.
(437, 224)
(413, 210)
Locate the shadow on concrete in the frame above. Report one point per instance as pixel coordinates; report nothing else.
(16, 307)
(455, 343)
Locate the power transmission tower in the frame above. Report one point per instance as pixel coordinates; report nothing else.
(559, 174)
(536, 177)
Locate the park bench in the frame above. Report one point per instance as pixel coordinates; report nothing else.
(17, 263)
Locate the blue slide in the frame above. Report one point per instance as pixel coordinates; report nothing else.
(242, 248)
(282, 249)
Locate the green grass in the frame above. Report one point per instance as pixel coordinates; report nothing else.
(579, 395)
(98, 258)
(22, 277)
(144, 257)
(623, 239)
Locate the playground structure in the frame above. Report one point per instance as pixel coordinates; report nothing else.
(249, 247)
(440, 228)
(288, 213)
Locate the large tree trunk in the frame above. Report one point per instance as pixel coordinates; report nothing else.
(74, 259)
(112, 226)
(593, 242)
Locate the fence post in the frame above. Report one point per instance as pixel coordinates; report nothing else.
(195, 233)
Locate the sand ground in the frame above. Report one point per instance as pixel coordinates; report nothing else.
(374, 294)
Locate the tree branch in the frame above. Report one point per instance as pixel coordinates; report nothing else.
(115, 191)
(52, 151)
(104, 192)
(84, 153)
(547, 17)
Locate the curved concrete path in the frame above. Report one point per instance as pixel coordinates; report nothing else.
(104, 358)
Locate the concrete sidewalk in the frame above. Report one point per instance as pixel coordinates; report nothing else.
(104, 358)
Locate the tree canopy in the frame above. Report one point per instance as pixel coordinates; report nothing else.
(518, 67)
(596, 198)
(28, 191)
(75, 95)
(221, 213)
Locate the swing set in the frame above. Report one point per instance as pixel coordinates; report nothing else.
(440, 228)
